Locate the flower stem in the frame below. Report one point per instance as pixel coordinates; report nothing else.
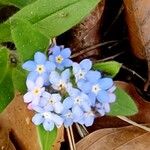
(69, 138)
(134, 123)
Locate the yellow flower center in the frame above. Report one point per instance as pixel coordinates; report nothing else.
(36, 91)
(59, 59)
(40, 69)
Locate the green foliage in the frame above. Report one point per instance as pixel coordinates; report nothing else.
(4, 56)
(6, 90)
(19, 79)
(111, 67)
(27, 39)
(46, 138)
(124, 105)
(17, 3)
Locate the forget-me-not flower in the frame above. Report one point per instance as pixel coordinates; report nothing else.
(39, 67)
(35, 90)
(81, 69)
(51, 102)
(60, 82)
(96, 87)
(48, 119)
(60, 57)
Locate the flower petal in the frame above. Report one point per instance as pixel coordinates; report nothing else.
(106, 83)
(28, 97)
(89, 120)
(37, 119)
(32, 76)
(68, 103)
(103, 96)
(54, 77)
(67, 63)
(29, 66)
(86, 64)
(50, 66)
(84, 86)
(58, 107)
(112, 97)
(93, 76)
(65, 75)
(76, 68)
(57, 120)
(48, 125)
(30, 84)
(55, 50)
(66, 52)
(39, 58)
(39, 82)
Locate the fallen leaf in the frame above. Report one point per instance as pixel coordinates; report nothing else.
(125, 138)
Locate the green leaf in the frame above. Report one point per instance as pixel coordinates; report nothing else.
(111, 67)
(27, 39)
(62, 19)
(19, 79)
(124, 104)
(6, 90)
(5, 33)
(17, 3)
(4, 61)
(46, 138)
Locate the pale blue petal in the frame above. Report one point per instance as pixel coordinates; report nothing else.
(112, 97)
(86, 106)
(54, 77)
(58, 107)
(55, 50)
(48, 125)
(48, 108)
(67, 63)
(86, 64)
(37, 108)
(65, 75)
(45, 77)
(59, 66)
(29, 66)
(28, 97)
(89, 121)
(68, 103)
(107, 107)
(66, 52)
(106, 83)
(92, 98)
(51, 58)
(43, 102)
(57, 120)
(93, 76)
(103, 96)
(76, 68)
(39, 58)
(32, 76)
(84, 86)
(68, 122)
(78, 113)
(37, 119)
(50, 66)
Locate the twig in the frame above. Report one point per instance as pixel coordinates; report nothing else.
(69, 138)
(109, 58)
(72, 136)
(115, 19)
(134, 123)
(133, 72)
(85, 129)
(93, 47)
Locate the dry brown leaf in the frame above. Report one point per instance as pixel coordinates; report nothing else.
(125, 138)
(16, 128)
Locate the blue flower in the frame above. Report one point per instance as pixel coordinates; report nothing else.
(77, 99)
(60, 82)
(96, 87)
(47, 118)
(68, 117)
(80, 70)
(87, 119)
(102, 108)
(51, 102)
(35, 91)
(60, 57)
(39, 67)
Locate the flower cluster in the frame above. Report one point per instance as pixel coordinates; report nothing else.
(63, 92)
